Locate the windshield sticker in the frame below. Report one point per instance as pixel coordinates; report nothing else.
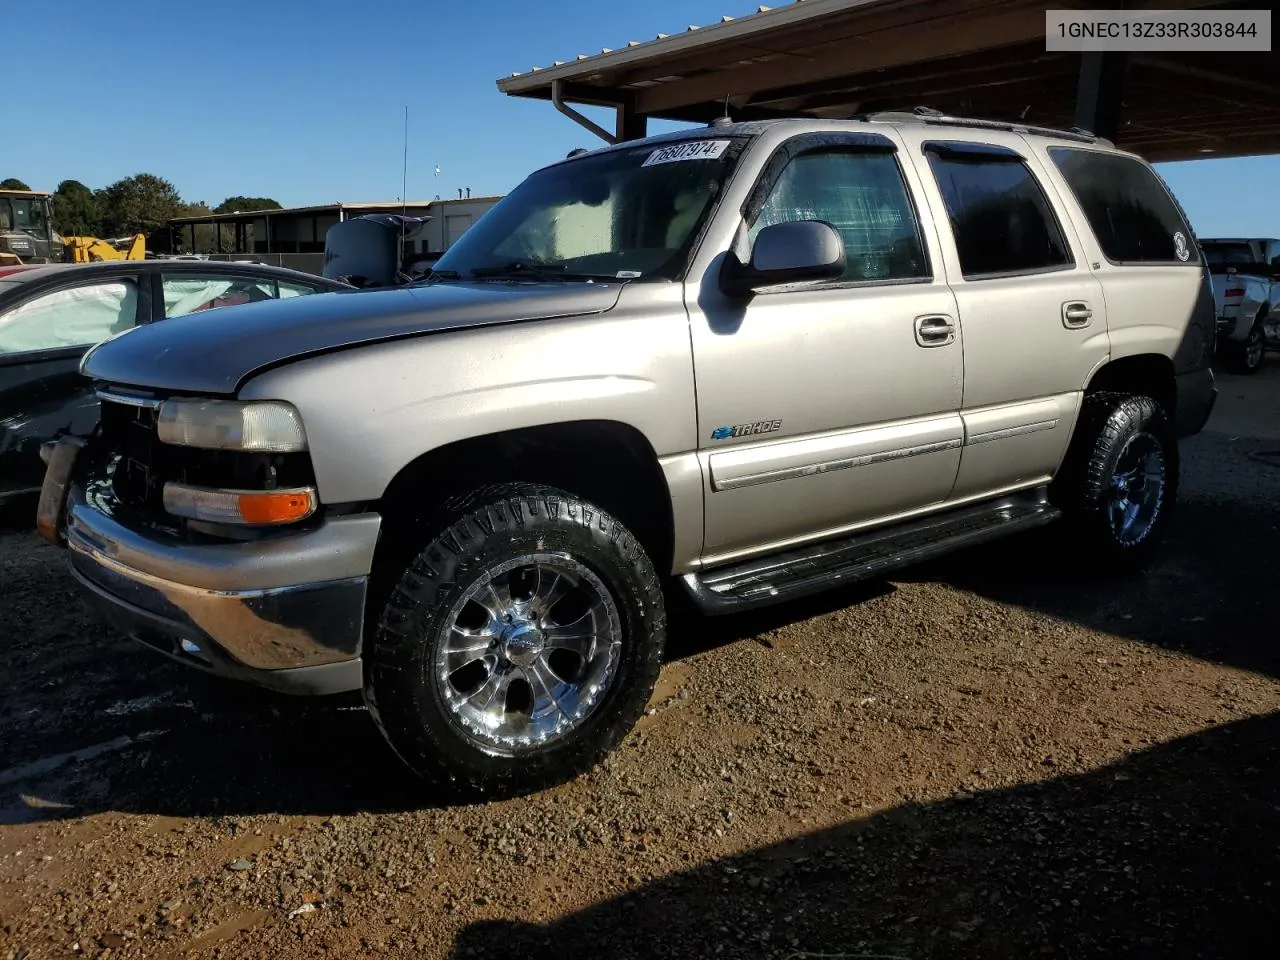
(690, 150)
(1180, 249)
(628, 274)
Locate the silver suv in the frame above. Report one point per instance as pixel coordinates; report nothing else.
(749, 361)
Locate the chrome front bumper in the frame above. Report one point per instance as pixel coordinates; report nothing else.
(285, 612)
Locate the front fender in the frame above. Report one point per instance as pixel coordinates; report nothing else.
(370, 411)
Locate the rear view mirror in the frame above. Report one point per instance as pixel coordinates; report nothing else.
(789, 252)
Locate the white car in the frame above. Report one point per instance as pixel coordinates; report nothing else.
(1246, 294)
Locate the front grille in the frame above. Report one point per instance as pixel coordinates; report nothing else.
(138, 468)
(140, 464)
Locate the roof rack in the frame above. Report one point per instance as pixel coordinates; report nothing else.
(929, 115)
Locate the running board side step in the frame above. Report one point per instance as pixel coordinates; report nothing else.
(816, 567)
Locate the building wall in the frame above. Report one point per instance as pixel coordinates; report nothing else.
(302, 234)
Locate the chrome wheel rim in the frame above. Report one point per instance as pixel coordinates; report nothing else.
(1137, 489)
(1253, 349)
(529, 652)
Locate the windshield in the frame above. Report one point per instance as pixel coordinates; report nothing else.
(19, 213)
(1223, 255)
(625, 214)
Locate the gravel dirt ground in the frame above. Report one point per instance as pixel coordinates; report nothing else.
(995, 755)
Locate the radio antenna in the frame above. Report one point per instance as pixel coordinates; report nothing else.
(404, 181)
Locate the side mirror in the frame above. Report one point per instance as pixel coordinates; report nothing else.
(786, 253)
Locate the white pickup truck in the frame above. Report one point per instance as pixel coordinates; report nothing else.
(1246, 294)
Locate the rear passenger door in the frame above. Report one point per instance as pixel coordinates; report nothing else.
(1034, 318)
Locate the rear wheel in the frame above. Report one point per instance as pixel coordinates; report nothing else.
(520, 646)
(1246, 356)
(1120, 482)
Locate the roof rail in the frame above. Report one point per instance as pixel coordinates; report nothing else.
(929, 115)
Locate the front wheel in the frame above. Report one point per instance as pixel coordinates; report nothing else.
(1120, 482)
(520, 646)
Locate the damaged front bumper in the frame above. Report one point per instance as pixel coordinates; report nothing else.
(284, 612)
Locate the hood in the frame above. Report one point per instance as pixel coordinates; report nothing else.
(214, 352)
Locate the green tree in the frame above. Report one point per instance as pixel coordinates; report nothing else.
(13, 183)
(75, 210)
(142, 203)
(246, 204)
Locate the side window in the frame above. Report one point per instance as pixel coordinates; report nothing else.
(192, 294)
(75, 317)
(294, 290)
(1000, 217)
(862, 194)
(1129, 208)
(1273, 258)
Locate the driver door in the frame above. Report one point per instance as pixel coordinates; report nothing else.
(826, 406)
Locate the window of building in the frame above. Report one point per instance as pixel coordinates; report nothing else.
(1130, 210)
(1000, 217)
(862, 194)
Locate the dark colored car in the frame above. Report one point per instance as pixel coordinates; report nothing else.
(50, 315)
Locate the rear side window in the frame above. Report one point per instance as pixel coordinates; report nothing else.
(193, 293)
(1130, 210)
(1221, 255)
(1000, 217)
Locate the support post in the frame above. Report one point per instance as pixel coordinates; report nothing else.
(631, 125)
(1100, 91)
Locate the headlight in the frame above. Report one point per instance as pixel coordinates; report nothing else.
(260, 427)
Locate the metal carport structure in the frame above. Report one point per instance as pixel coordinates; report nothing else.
(974, 58)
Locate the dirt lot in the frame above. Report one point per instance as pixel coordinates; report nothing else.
(994, 756)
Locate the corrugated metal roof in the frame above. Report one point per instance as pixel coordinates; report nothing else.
(728, 28)
(391, 205)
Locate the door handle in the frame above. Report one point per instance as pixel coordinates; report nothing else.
(935, 330)
(1076, 314)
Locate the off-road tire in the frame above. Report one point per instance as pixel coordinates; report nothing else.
(1082, 489)
(476, 533)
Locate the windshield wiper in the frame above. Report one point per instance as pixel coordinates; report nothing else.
(543, 271)
(442, 275)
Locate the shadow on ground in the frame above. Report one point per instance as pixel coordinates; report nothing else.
(1210, 594)
(1174, 852)
(199, 746)
(18, 514)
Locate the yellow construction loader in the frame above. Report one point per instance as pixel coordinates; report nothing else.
(27, 236)
(91, 249)
(25, 233)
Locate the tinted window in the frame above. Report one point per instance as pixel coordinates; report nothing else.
(1273, 256)
(75, 317)
(1131, 212)
(1000, 217)
(294, 290)
(191, 293)
(1222, 255)
(864, 197)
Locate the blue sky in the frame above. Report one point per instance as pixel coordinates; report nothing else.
(304, 101)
